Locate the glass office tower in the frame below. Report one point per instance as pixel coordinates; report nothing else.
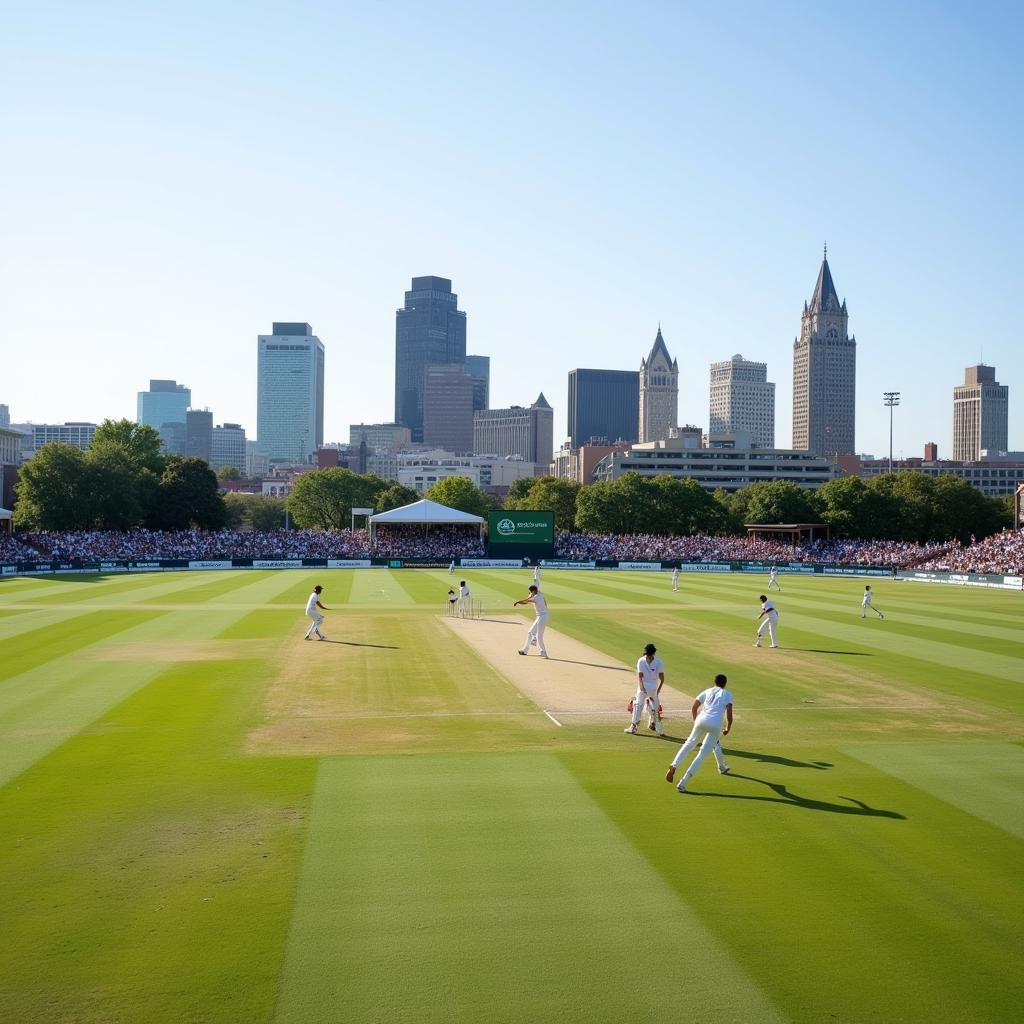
(290, 393)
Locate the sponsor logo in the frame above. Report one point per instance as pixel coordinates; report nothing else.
(567, 565)
(146, 565)
(348, 563)
(277, 563)
(8, 570)
(209, 564)
(640, 566)
(506, 527)
(1014, 581)
(705, 567)
(491, 563)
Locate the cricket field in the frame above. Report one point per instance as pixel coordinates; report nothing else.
(206, 818)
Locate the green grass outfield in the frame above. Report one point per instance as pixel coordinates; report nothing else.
(203, 818)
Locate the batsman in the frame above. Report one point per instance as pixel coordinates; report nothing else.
(651, 678)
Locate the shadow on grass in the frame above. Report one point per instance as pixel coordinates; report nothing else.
(352, 643)
(590, 664)
(819, 650)
(788, 762)
(784, 796)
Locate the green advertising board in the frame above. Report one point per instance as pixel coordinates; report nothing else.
(518, 527)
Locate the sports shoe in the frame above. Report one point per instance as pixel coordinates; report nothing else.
(681, 787)
(520, 652)
(543, 654)
(652, 726)
(323, 637)
(757, 644)
(774, 645)
(630, 729)
(880, 615)
(671, 773)
(723, 771)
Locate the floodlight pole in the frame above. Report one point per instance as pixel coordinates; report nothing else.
(890, 399)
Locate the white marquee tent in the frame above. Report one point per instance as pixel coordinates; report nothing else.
(424, 513)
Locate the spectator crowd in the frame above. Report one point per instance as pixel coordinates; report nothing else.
(1000, 553)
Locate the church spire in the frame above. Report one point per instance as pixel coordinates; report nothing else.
(825, 298)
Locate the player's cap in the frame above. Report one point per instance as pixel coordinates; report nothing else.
(650, 649)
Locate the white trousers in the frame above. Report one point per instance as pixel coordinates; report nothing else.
(640, 701)
(709, 735)
(768, 622)
(315, 627)
(536, 630)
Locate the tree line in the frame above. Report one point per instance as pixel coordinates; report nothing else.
(123, 481)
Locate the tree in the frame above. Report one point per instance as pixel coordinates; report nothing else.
(395, 496)
(122, 492)
(614, 506)
(228, 473)
(911, 497)
(54, 490)
(266, 513)
(461, 493)
(187, 496)
(140, 442)
(775, 501)
(547, 493)
(324, 498)
(853, 509)
(959, 510)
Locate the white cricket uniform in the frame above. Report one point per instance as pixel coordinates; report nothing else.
(536, 575)
(675, 579)
(865, 604)
(769, 622)
(707, 730)
(451, 569)
(540, 623)
(464, 600)
(314, 613)
(647, 690)
(773, 578)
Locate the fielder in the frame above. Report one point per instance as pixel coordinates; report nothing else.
(675, 579)
(773, 579)
(651, 678)
(312, 606)
(769, 619)
(536, 574)
(451, 567)
(866, 605)
(709, 710)
(540, 623)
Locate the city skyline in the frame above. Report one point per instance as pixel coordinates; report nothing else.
(566, 247)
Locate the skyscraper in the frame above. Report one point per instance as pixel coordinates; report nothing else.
(478, 368)
(163, 407)
(659, 392)
(526, 433)
(742, 401)
(290, 393)
(824, 373)
(227, 447)
(605, 404)
(199, 433)
(429, 331)
(448, 408)
(980, 414)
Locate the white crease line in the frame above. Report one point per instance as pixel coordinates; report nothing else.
(553, 719)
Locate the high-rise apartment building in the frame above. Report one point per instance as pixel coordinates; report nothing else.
(163, 407)
(659, 393)
(603, 404)
(227, 447)
(199, 433)
(742, 401)
(37, 434)
(824, 373)
(290, 393)
(478, 369)
(430, 330)
(519, 432)
(980, 414)
(448, 408)
(5, 416)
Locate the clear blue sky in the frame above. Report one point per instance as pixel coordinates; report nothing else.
(177, 176)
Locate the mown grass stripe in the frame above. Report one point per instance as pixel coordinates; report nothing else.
(472, 889)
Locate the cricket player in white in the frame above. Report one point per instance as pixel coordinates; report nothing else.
(464, 599)
(712, 719)
(675, 579)
(769, 619)
(451, 567)
(650, 679)
(536, 575)
(866, 605)
(540, 623)
(773, 579)
(312, 606)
